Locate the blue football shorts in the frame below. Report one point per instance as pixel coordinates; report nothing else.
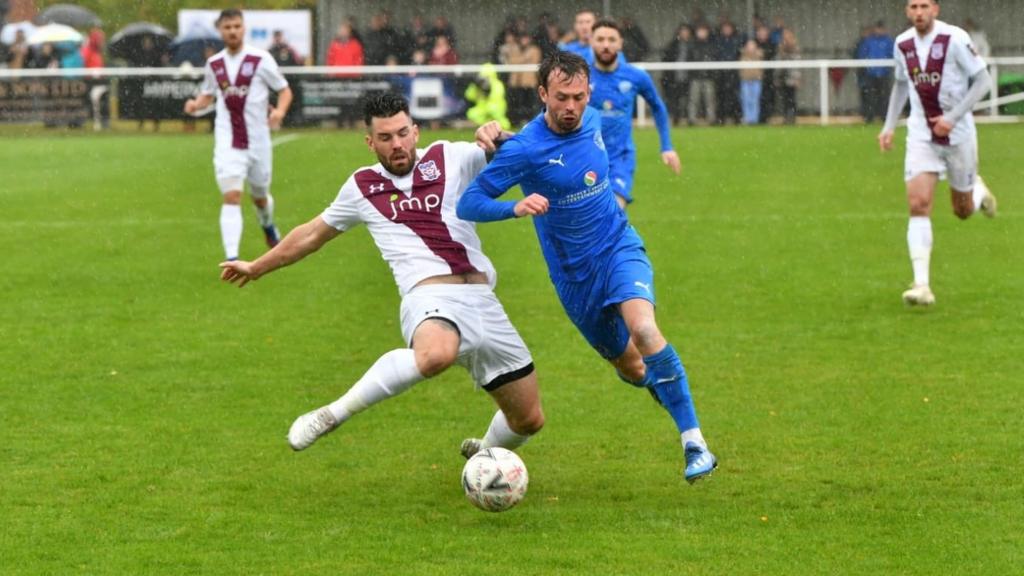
(621, 168)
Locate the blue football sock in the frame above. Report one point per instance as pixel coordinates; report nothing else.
(645, 383)
(668, 381)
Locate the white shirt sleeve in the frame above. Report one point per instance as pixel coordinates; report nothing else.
(209, 85)
(900, 63)
(343, 214)
(966, 55)
(271, 74)
(472, 158)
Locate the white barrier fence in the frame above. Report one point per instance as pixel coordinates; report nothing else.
(462, 70)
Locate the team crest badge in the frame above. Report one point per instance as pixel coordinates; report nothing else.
(938, 51)
(429, 171)
(247, 69)
(625, 86)
(590, 178)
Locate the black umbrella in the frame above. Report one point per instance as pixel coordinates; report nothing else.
(193, 50)
(69, 15)
(128, 41)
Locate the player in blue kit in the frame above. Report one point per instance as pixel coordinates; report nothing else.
(595, 259)
(615, 84)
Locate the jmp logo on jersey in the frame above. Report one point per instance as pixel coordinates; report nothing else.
(938, 51)
(590, 178)
(429, 171)
(247, 69)
(413, 204)
(933, 78)
(625, 86)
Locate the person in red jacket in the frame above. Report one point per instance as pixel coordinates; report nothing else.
(345, 50)
(92, 57)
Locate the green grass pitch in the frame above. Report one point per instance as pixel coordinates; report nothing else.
(144, 403)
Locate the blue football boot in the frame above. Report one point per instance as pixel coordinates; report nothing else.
(700, 462)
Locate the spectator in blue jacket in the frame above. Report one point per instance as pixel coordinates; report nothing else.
(876, 80)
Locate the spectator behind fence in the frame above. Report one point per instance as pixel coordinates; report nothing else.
(382, 40)
(764, 41)
(878, 79)
(727, 49)
(486, 93)
(634, 42)
(675, 84)
(443, 28)
(702, 82)
(443, 54)
(92, 57)
(345, 50)
(547, 33)
(282, 52)
(750, 82)
(788, 79)
(18, 54)
(522, 86)
(44, 57)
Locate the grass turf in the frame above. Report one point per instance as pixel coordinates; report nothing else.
(145, 403)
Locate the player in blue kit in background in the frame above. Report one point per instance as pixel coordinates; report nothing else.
(616, 84)
(595, 259)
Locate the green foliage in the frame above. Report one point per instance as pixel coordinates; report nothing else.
(145, 403)
(118, 13)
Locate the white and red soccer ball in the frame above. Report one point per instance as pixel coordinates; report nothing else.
(495, 479)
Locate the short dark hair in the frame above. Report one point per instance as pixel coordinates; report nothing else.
(383, 105)
(567, 63)
(228, 14)
(607, 23)
(590, 11)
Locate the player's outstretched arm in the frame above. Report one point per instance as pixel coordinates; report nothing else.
(897, 100)
(299, 243)
(490, 135)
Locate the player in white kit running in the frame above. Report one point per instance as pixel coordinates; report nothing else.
(449, 312)
(941, 73)
(241, 77)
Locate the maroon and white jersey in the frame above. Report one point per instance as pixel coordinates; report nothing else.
(938, 67)
(412, 218)
(242, 83)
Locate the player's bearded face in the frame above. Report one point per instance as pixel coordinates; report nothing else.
(923, 14)
(565, 99)
(232, 31)
(394, 140)
(607, 43)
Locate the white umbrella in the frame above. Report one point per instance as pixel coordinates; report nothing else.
(10, 31)
(54, 34)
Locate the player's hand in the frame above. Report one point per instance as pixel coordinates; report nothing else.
(532, 205)
(237, 271)
(275, 119)
(942, 126)
(885, 141)
(190, 106)
(488, 136)
(671, 159)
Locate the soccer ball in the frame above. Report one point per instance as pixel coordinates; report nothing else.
(495, 479)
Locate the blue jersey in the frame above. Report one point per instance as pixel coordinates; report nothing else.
(576, 47)
(583, 223)
(614, 95)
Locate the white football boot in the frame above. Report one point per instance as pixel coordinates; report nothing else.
(309, 427)
(919, 295)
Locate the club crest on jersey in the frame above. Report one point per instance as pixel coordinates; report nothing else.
(625, 86)
(590, 178)
(247, 69)
(938, 51)
(429, 171)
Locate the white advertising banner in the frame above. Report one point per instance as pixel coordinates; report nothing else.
(296, 25)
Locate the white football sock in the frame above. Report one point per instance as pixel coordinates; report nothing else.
(392, 374)
(980, 191)
(266, 214)
(919, 241)
(499, 434)
(231, 229)
(693, 435)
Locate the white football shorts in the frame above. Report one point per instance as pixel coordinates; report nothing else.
(489, 347)
(958, 164)
(233, 167)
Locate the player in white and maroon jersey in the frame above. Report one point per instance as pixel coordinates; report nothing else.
(449, 312)
(941, 73)
(241, 77)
